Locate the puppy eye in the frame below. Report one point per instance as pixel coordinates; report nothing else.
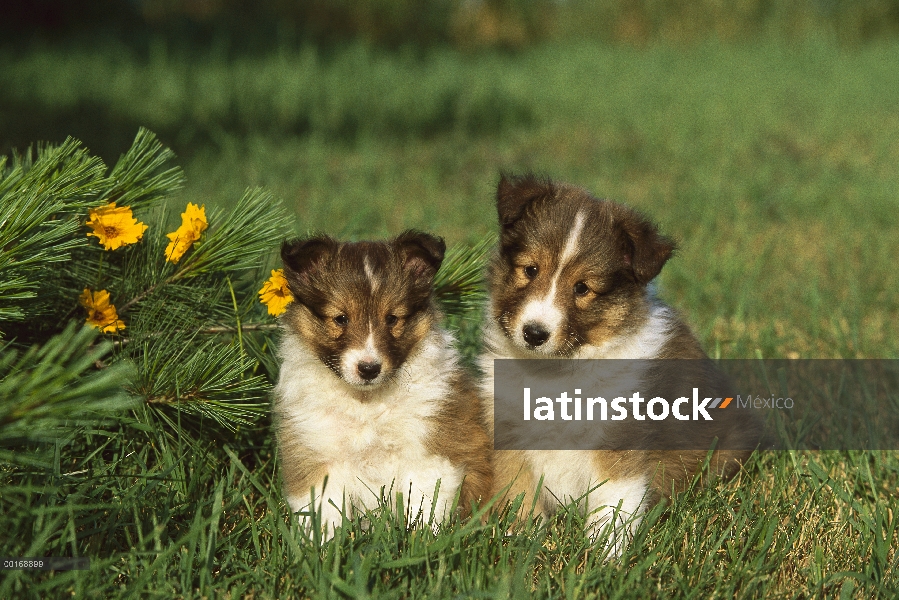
(342, 320)
(580, 288)
(531, 271)
(391, 320)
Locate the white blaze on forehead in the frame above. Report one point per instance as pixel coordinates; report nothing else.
(370, 273)
(570, 243)
(544, 311)
(366, 354)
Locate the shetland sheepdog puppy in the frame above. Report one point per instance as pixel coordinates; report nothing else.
(371, 395)
(571, 279)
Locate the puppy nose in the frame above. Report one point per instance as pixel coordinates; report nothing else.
(535, 334)
(368, 370)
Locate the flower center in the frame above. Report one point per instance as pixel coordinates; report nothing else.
(111, 231)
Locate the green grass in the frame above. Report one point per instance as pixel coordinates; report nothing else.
(165, 522)
(774, 165)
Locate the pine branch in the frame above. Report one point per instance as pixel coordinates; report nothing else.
(138, 179)
(218, 330)
(458, 285)
(244, 327)
(124, 308)
(206, 379)
(248, 234)
(43, 207)
(49, 391)
(236, 243)
(39, 206)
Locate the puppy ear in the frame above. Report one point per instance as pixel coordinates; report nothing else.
(303, 257)
(422, 253)
(644, 249)
(513, 194)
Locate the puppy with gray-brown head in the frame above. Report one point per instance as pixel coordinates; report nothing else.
(371, 394)
(571, 279)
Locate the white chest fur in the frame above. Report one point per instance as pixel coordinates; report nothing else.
(374, 444)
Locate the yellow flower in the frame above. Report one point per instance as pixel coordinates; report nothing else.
(275, 294)
(193, 223)
(100, 313)
(115, 226)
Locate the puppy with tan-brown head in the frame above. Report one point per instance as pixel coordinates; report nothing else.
(371, 394)
(570, 279)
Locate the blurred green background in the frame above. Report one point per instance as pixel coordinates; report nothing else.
(763, 134)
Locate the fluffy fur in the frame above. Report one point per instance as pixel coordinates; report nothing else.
(571, 279)
(371, 395)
